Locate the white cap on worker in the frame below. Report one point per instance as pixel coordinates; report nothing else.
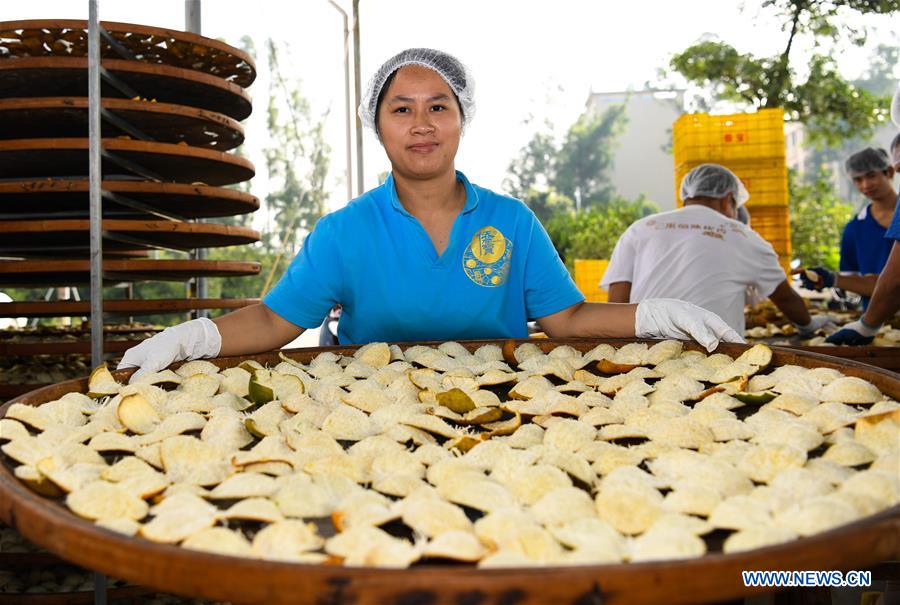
(451, 69)
(714, 181)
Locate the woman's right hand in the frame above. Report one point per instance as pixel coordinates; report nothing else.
(195, 339)
(671, 318)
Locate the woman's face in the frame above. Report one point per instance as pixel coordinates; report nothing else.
(420, 123)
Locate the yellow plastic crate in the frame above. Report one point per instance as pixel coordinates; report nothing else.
(773, 223)
(766, 180)
(701, 137)
(588, 273)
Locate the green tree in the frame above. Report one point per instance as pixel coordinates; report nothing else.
(548, 174)
(242, 220)
(547, 203)
(594, 232)
(879, 79)
(831, 107)
(533, 168)
(880, 76)
(818, 217)
(586, 155)
(297, 160)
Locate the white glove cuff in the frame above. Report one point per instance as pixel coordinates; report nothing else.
(208, 342)
(865, 329)
(643, 320)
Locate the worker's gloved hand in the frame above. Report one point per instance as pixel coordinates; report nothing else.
(670, 318)
(855, 334)
(817, 322)
(818, 278)
(193, 339)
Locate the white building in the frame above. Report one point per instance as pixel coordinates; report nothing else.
(643, 161)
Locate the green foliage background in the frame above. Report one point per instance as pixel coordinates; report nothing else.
(814, 93)
(818, 217)
(594, 232)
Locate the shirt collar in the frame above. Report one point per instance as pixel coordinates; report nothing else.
(469, 206)
(707, 208)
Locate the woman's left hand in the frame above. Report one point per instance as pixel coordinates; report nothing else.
(671, 318)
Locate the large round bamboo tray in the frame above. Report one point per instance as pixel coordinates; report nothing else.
(30, 158)
(710, 578)
(68, 198)
(26, 238)
(881, 357)
(27, 273)
(68, 38)
(67, 77)
(163, 122)
(79, 308)
(8, 391)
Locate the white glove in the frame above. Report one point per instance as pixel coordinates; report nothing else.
(193, 339)
(817, 322)
(856, 333)
(670, 318)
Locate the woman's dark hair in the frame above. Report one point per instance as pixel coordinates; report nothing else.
(387, 84)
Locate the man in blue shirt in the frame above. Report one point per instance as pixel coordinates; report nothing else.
(886, 298)
(864, 249)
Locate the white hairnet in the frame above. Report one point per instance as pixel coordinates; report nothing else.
(867, 160)
(715, 181)
(446, 66)
(895, 108)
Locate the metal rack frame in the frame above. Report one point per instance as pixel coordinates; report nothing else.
(96, 113)
(96, 213)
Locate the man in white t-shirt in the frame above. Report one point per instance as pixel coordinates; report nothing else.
(701, 254)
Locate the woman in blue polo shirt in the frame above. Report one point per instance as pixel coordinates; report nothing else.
(427, 255)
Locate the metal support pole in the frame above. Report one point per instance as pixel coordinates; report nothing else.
(120, 50)
(127, 164)
(192, 16)
(347, 106)
(356, 69)
(124, 125)
(96, 214)
(192, 24)
(96, 200)
(128, 202)
(124, 89)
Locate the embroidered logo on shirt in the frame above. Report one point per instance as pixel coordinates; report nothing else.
(486, 258)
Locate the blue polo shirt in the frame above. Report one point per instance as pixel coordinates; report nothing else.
(864, 249)
(498, 271)
(893, 231)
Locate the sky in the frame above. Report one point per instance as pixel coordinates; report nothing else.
(528, 57)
